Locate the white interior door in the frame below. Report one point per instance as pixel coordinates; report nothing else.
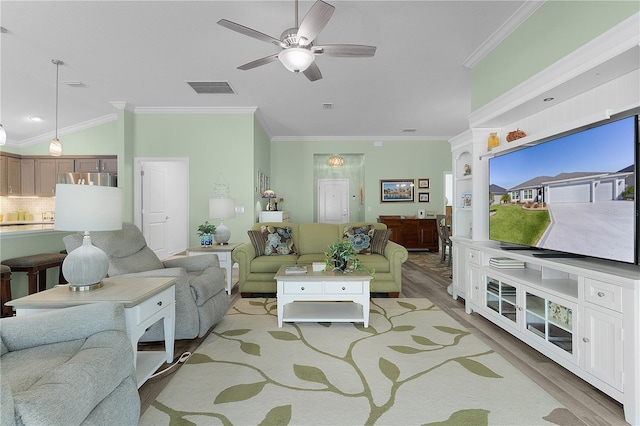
(161, 194)
(333, 200)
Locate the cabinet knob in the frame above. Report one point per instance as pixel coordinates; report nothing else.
(302, 288)
(160, 303)
(600, 294)
(585, 339)
(344, 288)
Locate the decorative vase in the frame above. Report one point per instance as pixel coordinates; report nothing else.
(493, 140)
(206, 240)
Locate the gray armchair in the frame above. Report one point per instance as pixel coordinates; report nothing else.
(68, 367)
(201, 299)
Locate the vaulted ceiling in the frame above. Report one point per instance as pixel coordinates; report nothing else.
(144, 52)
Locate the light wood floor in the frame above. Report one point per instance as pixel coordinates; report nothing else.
(583, 400)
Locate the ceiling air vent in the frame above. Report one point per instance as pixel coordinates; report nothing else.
(211, 87)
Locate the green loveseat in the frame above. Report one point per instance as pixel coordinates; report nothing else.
(311, 241)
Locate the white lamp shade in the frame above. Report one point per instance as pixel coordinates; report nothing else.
(296, 59)
(3, 135)
(222, 208)
(88, 208)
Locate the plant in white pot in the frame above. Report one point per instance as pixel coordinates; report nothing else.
(206, 232)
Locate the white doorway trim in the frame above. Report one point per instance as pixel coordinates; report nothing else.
(177, 198)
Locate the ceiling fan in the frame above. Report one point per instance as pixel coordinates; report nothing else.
(298, 51)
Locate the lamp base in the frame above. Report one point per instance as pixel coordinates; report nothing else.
(222, 234)
(85, 267)
(86, 287)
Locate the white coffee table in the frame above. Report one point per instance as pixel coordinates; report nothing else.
(145, 300)
(323, 296)
(224, 257)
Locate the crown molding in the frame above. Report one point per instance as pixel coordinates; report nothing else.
(68, 130)
(519, 16)
(360, 138)
(614, 42)
(122, 105)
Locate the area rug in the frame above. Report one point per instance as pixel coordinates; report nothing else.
(413, 365)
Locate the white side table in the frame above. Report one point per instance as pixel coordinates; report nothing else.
(146, 301)
(224, 256)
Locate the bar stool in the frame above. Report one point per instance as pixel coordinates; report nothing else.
(36, 268)
(5, 290)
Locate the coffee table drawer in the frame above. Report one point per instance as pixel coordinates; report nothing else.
(343, 287)
(149, 307)
(302, 288)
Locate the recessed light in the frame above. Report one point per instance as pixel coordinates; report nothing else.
(547, 99)
(327, 105)
(36, 119)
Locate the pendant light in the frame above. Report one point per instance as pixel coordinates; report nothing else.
(55, 147)
(3, 135)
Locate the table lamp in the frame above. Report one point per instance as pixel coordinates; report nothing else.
(86, 208)
(269, 195)
(222, 208)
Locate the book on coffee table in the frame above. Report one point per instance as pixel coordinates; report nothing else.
(296, 269)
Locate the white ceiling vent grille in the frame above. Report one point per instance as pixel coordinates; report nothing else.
(212, 87)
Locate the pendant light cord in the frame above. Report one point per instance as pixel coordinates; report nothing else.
(57, 62)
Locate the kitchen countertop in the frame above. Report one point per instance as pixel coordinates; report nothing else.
(22, 228)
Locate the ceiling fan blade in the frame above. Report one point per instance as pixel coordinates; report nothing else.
(313, 72)
(250, 32)
(345, 50)
(259, 62)
(314, 21)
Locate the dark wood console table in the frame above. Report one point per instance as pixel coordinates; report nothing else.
(413, 234)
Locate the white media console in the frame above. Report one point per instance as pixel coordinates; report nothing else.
(582, 313)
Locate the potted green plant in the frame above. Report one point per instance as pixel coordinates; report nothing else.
(341, 256)
(206, 231)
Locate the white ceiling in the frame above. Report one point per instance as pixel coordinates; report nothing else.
(144, 52)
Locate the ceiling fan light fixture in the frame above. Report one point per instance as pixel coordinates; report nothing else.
(296, 59)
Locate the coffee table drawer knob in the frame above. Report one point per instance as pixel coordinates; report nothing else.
(344, 288)
(302, 288)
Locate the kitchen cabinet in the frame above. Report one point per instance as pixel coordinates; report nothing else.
(413, 234)
(96, 165)
(27, 176)
(46, 174)
(9, 175)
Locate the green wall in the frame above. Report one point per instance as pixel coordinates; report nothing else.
(551, 33)
(219, 148)
(292, 164)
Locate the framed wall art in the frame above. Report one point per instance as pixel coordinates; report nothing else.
(397, 190)
(423, 197)
(423, 183)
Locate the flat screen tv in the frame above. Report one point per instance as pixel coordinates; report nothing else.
(573, 194)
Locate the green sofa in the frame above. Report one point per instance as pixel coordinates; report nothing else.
(311, 241)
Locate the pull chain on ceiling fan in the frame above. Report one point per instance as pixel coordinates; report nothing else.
(298, 51)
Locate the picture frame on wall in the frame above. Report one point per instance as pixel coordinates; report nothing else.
(424, 197)
(423, 183)
(397, 190)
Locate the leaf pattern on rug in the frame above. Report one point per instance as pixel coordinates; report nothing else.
(400, 366)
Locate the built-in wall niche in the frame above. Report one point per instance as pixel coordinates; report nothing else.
(352, 169)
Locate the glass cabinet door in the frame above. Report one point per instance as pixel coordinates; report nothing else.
(501, 298)
(550, 321)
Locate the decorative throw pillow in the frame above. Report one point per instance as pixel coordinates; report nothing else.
(277, 240)
(380, 238)
(359, 237)
(257, 240)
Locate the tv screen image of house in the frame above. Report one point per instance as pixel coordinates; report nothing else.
(573, 194)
